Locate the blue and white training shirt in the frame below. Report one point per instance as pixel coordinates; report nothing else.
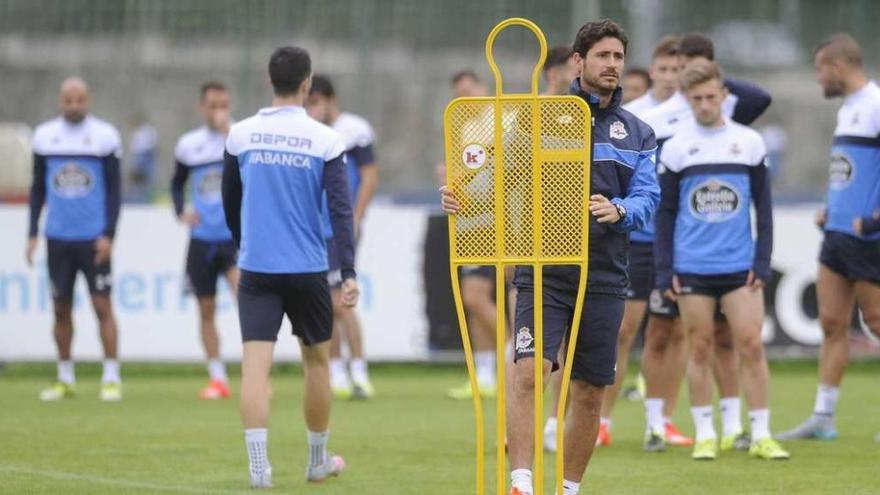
(854, 178)
(709, 177)
(199, 155)
(745, 102)
(277, 167)
(359, 140)
(76, 173)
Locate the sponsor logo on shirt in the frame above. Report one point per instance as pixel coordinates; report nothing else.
(72, 181)
(280, 158)
(208, 187)
(841, 171)
(714, 201)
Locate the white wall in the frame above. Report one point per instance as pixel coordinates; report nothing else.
(157, 322)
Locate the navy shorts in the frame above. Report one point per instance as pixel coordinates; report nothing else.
(595, 355)
(715, 286)
(264, 299)
(640, 271)
(66, 259)
(851, 257)
(205, 261)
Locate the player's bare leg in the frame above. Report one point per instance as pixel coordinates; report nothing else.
(218, 386)
(351, 333)
(697, 316)
(676, 358)
(556, 390)
(478, 301)
(110, 379)
(520, 420)
(581, 428)
(317, 399)
(725, 368)
(633, 312)
(837, 297)
(256, 364)
(340, 382)
(744, 308)
(664, 361)
(62, 329)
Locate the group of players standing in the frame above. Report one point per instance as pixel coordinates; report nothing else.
(696, 271)
(300, 174)
(693, 264)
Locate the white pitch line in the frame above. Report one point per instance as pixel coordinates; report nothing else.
(62, 475)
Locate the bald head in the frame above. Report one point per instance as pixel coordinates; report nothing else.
(73, 99)
(838, 62)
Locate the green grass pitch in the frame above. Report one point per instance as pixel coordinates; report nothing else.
(409, 440)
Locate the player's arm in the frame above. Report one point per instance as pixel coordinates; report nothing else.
(36, 201)
(666, 215)
(178, 183)
(231, 190)
(643, 194)
(759, 179)
(752, 100)
(113, 197)
(366, 158)
(339, 207)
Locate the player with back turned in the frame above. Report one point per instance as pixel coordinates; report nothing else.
(277, 167)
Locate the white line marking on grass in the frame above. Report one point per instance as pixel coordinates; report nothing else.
(62, 475)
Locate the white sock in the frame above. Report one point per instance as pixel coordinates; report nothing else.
(255, 440)
(570, 487)
(111, 371)
(359, 370)
(826, 400)
(65, 372)
(606, 422)
(731, 415)
(521, 479)
(704, 422)
(338, 373)
(217, 370)
(485, 364)
(318, 447)
(654, 415)
(760, 420)
(551, 424)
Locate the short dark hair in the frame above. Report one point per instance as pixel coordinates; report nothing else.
(697, 45)
(289, 66)
(592, 32)
(321, 85)
(464, 74)
(699, 72)
(212, 86)
(667, 46)
(840, 46)
(556, 56)
(639, 72)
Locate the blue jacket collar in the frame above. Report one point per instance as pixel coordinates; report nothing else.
(593, 100)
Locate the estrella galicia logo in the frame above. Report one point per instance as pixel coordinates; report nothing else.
(208, 186)
(72, 180)
(714, 201)
(841, 171)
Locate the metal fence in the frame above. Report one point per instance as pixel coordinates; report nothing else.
(392, 59)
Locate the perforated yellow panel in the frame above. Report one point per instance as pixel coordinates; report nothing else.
(518, 174)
